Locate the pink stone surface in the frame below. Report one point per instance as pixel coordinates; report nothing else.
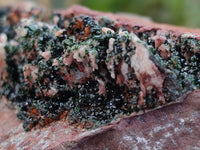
(128, 21)
(176, 126)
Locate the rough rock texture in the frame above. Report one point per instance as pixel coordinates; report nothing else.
(127, 21)
(175, 126)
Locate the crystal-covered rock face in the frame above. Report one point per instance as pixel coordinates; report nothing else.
(92, 72)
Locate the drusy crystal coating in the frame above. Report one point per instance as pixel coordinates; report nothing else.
(91, 72)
